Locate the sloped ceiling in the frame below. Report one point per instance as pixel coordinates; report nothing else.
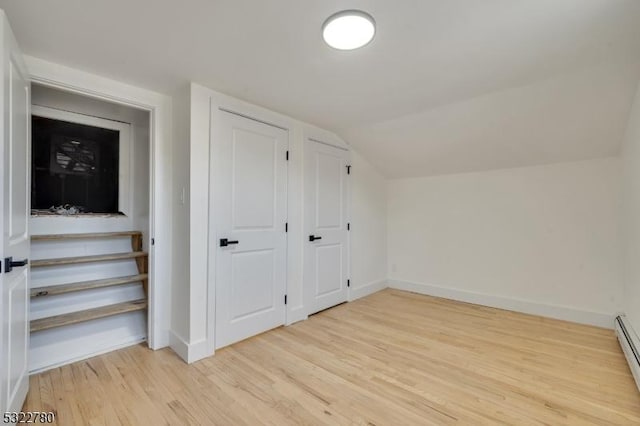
(446, 86)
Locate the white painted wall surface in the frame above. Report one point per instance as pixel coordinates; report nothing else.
(520, 126)
(59, 346)
(543, 239)
(631, 216)
(368, 228)
(180, 218)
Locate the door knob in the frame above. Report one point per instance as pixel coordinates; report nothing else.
(225, 242)
(9, 264)
(313, 238)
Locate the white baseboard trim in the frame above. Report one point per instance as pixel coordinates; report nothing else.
(179, 346)
(628, 337)
(162, 340)
(132, 342)
(552, 311)
(367, 289)
(296, 314)
(189, 352)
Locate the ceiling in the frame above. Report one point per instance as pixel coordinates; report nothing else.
(446, 86)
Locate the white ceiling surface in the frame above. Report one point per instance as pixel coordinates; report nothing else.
(446, 86)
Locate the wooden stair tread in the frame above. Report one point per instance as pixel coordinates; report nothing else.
(87, 259)
(87, 315)
(86, 285)
(51, 237)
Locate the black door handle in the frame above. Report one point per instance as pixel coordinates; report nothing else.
(313, 238)
(9, 264)
(224, 242)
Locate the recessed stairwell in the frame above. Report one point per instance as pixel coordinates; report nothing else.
(136, 255)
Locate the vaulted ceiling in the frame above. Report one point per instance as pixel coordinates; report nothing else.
(446, 86)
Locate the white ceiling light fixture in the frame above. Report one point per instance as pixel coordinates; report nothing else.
(349, 29)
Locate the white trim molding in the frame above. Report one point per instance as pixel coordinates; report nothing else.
(189, 352)
(630, 344)
(565, 313)
(295, 315)
(367, 289)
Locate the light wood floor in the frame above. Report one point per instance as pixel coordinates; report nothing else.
(393, 358)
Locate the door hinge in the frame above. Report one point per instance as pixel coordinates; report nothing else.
(285, 299)
(287, 155)
(349, 169)
(286, 227)
(153, 241)
(348, 227)
(348, 283)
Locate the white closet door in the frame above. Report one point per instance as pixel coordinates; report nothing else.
(326, 242)
(250, 212)
(14, 281)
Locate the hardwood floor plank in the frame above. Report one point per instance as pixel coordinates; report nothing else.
(391, 358)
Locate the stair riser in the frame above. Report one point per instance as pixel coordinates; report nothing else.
(63, 237)
(137, 255)
(88, 315)
(86, 285)
(86, 259)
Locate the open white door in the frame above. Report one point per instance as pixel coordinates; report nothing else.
(14, 280)
(326, 251)
(250, 212)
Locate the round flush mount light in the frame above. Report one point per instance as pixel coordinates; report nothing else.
(349, 29)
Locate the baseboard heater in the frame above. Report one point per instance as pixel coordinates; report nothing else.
(630, 346)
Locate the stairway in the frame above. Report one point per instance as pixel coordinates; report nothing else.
(136, 253)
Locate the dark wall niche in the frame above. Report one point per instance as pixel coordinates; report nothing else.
(74, 164)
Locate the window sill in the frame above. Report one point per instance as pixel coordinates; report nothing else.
(46, 213)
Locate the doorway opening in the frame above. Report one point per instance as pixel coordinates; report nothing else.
(90, 226)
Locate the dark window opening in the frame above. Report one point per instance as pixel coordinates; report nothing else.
(74, 165)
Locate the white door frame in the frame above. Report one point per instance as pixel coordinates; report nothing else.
(159, 108)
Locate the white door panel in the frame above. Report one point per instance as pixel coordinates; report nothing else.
(329, 191)
(14, 280)
(253, 280)
(329, 269)
(17, 333)
(250, 212)
(326, 246)
(253, 190)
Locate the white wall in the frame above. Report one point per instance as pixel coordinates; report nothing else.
(631, 216)
(368, 228)
(180, 217)
(62, 345)
(191, 119)
(544, 239)
(520, 126)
